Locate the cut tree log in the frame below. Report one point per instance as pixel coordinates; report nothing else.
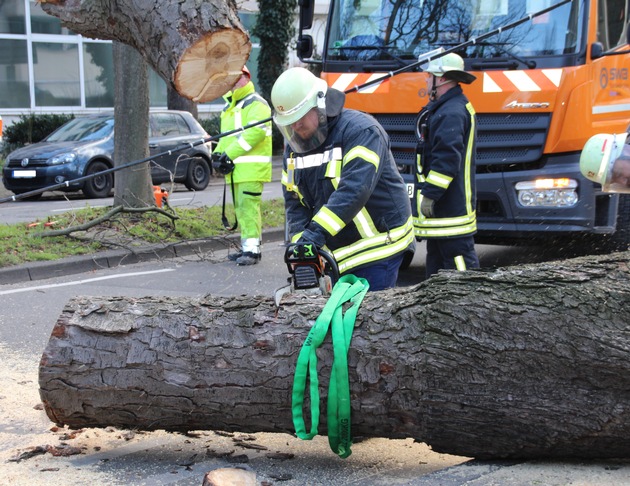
(198, 47)
(519, 362)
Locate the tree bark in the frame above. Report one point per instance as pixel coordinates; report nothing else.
(133, 187)
(197, 46)
(519, 362)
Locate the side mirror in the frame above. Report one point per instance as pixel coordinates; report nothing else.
(597, 50)
(307, 12)
(304, 47)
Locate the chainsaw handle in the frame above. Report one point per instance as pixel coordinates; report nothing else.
(334, 268)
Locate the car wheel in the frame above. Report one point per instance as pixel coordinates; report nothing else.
(101, 185)
(198, 175)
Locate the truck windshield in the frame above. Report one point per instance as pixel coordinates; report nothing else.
(404, 29)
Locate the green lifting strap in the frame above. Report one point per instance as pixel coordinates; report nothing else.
(348, 288)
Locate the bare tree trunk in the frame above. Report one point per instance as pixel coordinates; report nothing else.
(132, 186)
(175, 101)
(196, 46)
(520, 362)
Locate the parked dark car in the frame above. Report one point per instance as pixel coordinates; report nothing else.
(85, 145)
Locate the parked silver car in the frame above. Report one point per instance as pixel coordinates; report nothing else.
(85, 145)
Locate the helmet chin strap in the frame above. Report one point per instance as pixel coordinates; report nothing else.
(433, 92)
(434, 86)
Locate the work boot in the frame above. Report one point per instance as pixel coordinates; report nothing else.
(248, 258)
(235, 256)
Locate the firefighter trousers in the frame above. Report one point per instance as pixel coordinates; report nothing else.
(450, 253)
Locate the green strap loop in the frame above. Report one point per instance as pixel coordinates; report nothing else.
(348, 288)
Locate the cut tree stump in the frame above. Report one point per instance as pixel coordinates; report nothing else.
(519, 362)
(198, 47)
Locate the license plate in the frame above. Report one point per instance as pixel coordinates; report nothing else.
(24, 174)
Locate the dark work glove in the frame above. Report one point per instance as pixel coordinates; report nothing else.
(222, 164)
(309, 236)
(426, 207)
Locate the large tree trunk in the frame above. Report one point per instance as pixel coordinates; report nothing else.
(520, 362)
(197, 46)
(133, 187)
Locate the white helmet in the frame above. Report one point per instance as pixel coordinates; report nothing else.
(296, 92)
(451, 66)
(605, 159)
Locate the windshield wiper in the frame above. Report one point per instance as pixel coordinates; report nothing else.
(366, 56)
(530, 63)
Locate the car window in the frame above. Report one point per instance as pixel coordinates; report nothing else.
(83, 129)
(163, 124)
(183, 126)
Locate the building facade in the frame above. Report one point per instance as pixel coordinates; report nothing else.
(46, 68)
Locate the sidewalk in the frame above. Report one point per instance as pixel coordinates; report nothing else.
(115, 258)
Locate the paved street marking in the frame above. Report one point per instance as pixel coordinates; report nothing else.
(87, 280)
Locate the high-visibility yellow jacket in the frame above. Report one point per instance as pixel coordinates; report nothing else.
(250, 149)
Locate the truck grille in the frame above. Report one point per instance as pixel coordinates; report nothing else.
(505, 141)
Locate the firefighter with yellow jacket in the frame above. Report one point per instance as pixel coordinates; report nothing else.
(445, 215)
(245, 159)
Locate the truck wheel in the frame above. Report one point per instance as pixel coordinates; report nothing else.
(620, 239)
(101, 185)
(198, 175)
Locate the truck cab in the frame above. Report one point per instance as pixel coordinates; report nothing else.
(550, 74)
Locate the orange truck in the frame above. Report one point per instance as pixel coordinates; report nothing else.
(543, 88)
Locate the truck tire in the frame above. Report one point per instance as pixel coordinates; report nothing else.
(620, 239)
(617, 241)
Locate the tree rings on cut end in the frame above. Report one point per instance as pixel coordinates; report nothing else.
(209, 68)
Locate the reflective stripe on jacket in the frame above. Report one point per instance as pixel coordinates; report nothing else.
(446, 168)
(348, 196)
(250, 149)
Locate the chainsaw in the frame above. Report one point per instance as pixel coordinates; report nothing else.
(313, 271)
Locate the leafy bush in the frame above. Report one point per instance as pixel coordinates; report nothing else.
(30, 129)
(212, 125)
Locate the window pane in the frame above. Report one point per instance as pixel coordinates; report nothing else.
(98, 67)
(12, 17)
(42, 23)
(157, 90)
(56, 73)
(14, 87)
(163, 124)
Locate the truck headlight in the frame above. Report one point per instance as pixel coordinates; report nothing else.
(66, 158)
(558, 193)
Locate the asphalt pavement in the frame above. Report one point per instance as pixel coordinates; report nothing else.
(469, 472)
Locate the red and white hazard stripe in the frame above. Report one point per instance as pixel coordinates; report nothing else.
(524, 81)
(345, 81)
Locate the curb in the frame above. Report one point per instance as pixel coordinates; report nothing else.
(116, 258)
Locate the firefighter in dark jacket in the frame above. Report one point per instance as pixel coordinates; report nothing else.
(445, 215)
(342, 189)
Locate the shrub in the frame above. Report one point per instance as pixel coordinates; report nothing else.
(212, 125)
(30, 129)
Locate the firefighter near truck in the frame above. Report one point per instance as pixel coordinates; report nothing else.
(551, 74)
